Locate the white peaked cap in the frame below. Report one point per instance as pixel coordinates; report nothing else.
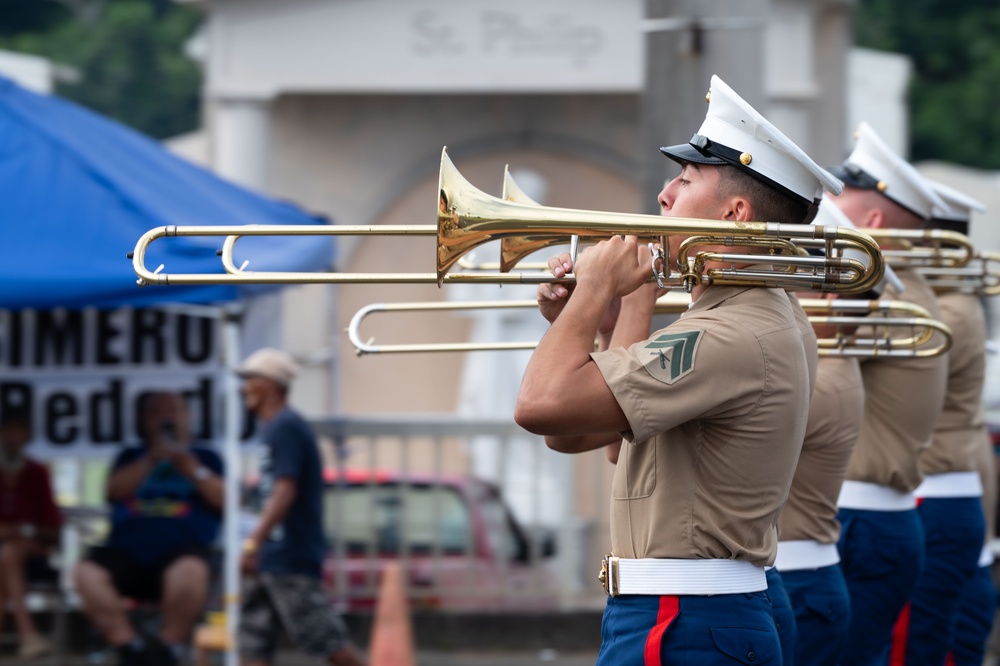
(830, 215)
(874, 165)
(734, 133)
(957, 207)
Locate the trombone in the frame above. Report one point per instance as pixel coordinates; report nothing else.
(980, 276)
(924, 248)
(877, 341)
(468, 217)
(895, 316)
(543, 226)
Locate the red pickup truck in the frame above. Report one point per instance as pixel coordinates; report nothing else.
(458, 542)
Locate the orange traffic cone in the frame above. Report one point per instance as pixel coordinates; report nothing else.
(392, 634)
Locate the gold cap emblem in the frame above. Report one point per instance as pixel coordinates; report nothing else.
(708, 96)
(745, 158)
(882, 186)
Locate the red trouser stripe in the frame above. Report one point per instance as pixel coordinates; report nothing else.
(669, 607)
(897, 655)
(901, 630)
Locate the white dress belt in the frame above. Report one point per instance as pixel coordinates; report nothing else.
(874, 497)
(951, 484)
(655, 576)
(806, 554)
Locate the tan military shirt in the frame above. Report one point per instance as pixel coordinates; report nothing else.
(903, 399)
(957, 434)
(808, 334)
(717, 405)
(986, 466)
(835, 414)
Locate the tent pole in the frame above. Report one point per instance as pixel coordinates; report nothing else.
(231, 523)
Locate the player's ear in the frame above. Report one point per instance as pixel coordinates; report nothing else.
(874, 218)
(737, 209)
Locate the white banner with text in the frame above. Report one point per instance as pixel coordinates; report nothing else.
(79, 374)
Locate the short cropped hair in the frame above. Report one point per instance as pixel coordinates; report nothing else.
(769, 205)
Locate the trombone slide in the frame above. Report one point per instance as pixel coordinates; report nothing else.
(839, 312)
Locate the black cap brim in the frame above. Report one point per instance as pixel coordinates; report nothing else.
(961, 226)
(702, 150)
(685, 152)
(854, 176)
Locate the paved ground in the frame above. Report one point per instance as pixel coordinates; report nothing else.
(509, 659)
(443, 639)
(546, 657)
(424, 658)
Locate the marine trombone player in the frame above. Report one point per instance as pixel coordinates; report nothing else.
(881, 542)
(709, 412)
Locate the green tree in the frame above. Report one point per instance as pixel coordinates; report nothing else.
(129, 54)
(955, 91)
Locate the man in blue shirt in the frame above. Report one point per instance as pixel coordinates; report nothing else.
(283, 557)
(166, 501)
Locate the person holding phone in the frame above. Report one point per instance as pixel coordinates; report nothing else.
(166, 499)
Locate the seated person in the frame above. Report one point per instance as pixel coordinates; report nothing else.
(29, 527)
(166, 507)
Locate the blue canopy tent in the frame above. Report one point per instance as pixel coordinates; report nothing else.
(78, 190)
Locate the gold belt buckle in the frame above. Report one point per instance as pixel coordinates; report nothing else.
(609, 575)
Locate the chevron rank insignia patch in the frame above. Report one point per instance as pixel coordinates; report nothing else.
(670, 356)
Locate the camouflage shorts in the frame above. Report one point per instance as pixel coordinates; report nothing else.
(294, 603)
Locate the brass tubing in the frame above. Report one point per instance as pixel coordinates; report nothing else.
(838, 312)
(924, 247)
(980, 276)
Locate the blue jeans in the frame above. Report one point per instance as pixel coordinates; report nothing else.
(822, 614)
(954, 529)
(881, 555)
(717, 630)
(784, 616)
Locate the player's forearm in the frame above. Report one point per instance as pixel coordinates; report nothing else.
(563, 392)
(635, 318)
(612, 451)
(581, 443)
(562, 351)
